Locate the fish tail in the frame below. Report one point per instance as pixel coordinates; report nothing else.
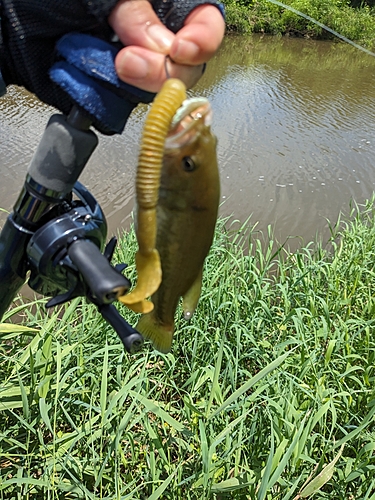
(160, 335)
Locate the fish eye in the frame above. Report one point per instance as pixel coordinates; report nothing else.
(188, 164)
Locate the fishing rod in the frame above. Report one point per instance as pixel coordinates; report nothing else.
(55, 237)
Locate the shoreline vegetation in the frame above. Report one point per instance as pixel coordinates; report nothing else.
(354, 20)
(268, 392)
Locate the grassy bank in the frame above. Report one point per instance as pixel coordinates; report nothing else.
(271, 380)
(356, 24)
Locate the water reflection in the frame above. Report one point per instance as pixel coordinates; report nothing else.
(294, 120)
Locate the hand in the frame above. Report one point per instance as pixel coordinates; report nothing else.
(142, 62)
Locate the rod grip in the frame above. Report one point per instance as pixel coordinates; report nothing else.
(61, 155)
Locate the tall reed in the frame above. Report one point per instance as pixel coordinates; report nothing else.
(268, 392)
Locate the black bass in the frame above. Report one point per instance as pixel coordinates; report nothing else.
(186, 214)
(155, 131)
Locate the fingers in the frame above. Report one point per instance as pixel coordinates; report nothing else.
(147, 70)
(201, 36)
(135, 23)
(142, 62)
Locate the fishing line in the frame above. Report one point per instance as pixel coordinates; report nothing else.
(167, 58)
(342, 37)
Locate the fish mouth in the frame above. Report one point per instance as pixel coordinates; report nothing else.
(192, 114)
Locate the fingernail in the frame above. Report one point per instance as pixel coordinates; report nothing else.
(185, 52)
(133, 66)
(160, 36)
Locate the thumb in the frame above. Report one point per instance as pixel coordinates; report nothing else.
(136, 23)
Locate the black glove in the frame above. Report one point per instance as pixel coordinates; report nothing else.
(173, 13)
(30, 30)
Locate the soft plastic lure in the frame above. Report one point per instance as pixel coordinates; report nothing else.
(155, 131)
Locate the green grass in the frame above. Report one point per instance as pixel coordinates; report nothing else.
(268, 392)
(254, 16)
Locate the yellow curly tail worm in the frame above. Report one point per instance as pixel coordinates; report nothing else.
(155, 131)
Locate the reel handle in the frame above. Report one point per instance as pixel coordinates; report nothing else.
(132, 340)
(105, 282)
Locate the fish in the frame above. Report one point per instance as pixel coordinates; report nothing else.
(186, 215)
(155, 130)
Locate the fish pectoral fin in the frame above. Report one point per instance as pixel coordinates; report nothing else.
(160, 335)
(149, 278)
(191, 297)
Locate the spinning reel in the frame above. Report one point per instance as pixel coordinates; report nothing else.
(65, 262)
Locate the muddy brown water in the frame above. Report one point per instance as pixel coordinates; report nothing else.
(295, 122)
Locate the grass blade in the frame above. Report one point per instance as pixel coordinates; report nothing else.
(250, 383)
(322, 478)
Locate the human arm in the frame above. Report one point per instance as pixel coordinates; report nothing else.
(31, 29)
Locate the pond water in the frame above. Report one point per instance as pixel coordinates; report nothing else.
(295, 122)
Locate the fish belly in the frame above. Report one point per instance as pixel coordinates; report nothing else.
(183, 241)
